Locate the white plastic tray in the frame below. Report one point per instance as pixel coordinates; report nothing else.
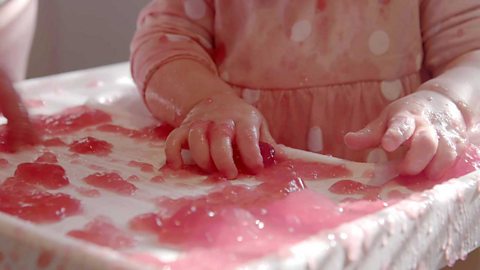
(426, 230)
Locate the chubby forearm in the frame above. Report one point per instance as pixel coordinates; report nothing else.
(460, 81)
(10, 102)
(178, 86)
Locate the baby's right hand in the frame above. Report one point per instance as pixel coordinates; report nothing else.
(212, 127)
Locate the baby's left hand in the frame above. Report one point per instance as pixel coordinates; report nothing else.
(427, 122)
(19, 128)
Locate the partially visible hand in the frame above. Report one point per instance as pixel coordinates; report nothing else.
(427, 122)
(19, 128)
(212, 127)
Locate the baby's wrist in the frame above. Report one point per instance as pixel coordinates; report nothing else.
(179, 86)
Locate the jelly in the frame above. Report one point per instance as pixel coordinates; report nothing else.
(71, 120)
(91, 146)
(102, 232)
(112, 182)
(51, 176)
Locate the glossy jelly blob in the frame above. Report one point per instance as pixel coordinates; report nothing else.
(51, 176)
(71, 120)
(159, 132)
(102, 232)
(91, 146)
(144, 167)
(112, 182)
(47, 157)
(25, 201)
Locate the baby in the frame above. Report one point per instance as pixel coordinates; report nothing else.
(17, 20)
(367, 80)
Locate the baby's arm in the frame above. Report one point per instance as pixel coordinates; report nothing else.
(434, 121)
(172, 64)
(19, 127)
(173, 42)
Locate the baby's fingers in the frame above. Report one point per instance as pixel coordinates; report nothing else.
(199, 146)
(400, 129)
(247, 139)
(221, 134)
(173, 147)
(369, 136)
(444, 158)
(423, 147)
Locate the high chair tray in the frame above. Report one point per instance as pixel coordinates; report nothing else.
(95, 195)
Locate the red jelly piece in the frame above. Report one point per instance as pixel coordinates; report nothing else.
(112, 182)
(92, 146)
(158, 179)
(102, 232)
(144, 167)
(268, 154)
(53, 142)
(51, 176)
(266, 150)
(133, 178)
(283, 187)
(4, 163)
(149, 222)
(163, 131)
(348, 187)
(72, 119)
(148, 133)
(396, 194)
(88, 192)
(22, 200)
(47, 157)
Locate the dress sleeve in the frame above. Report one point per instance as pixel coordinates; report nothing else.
(450, 28)
(168, 30)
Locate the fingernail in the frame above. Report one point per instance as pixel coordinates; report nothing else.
(388, 144)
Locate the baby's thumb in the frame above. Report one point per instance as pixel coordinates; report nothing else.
(370, 136)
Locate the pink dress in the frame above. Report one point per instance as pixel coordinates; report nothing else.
(316, 69)
(17, 25)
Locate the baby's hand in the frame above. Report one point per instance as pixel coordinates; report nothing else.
(19, 128)
(429, 123)
(212, 127)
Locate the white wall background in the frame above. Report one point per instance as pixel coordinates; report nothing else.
(78, 34)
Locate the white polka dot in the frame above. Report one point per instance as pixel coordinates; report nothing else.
(315, 140)
(377, 156)
(419, 61)
(251, 96)
(391, 90)
(176, 38)
(379, 42)
(195, 9)
(301, 31)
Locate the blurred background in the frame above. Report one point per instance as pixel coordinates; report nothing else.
(74, 34)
